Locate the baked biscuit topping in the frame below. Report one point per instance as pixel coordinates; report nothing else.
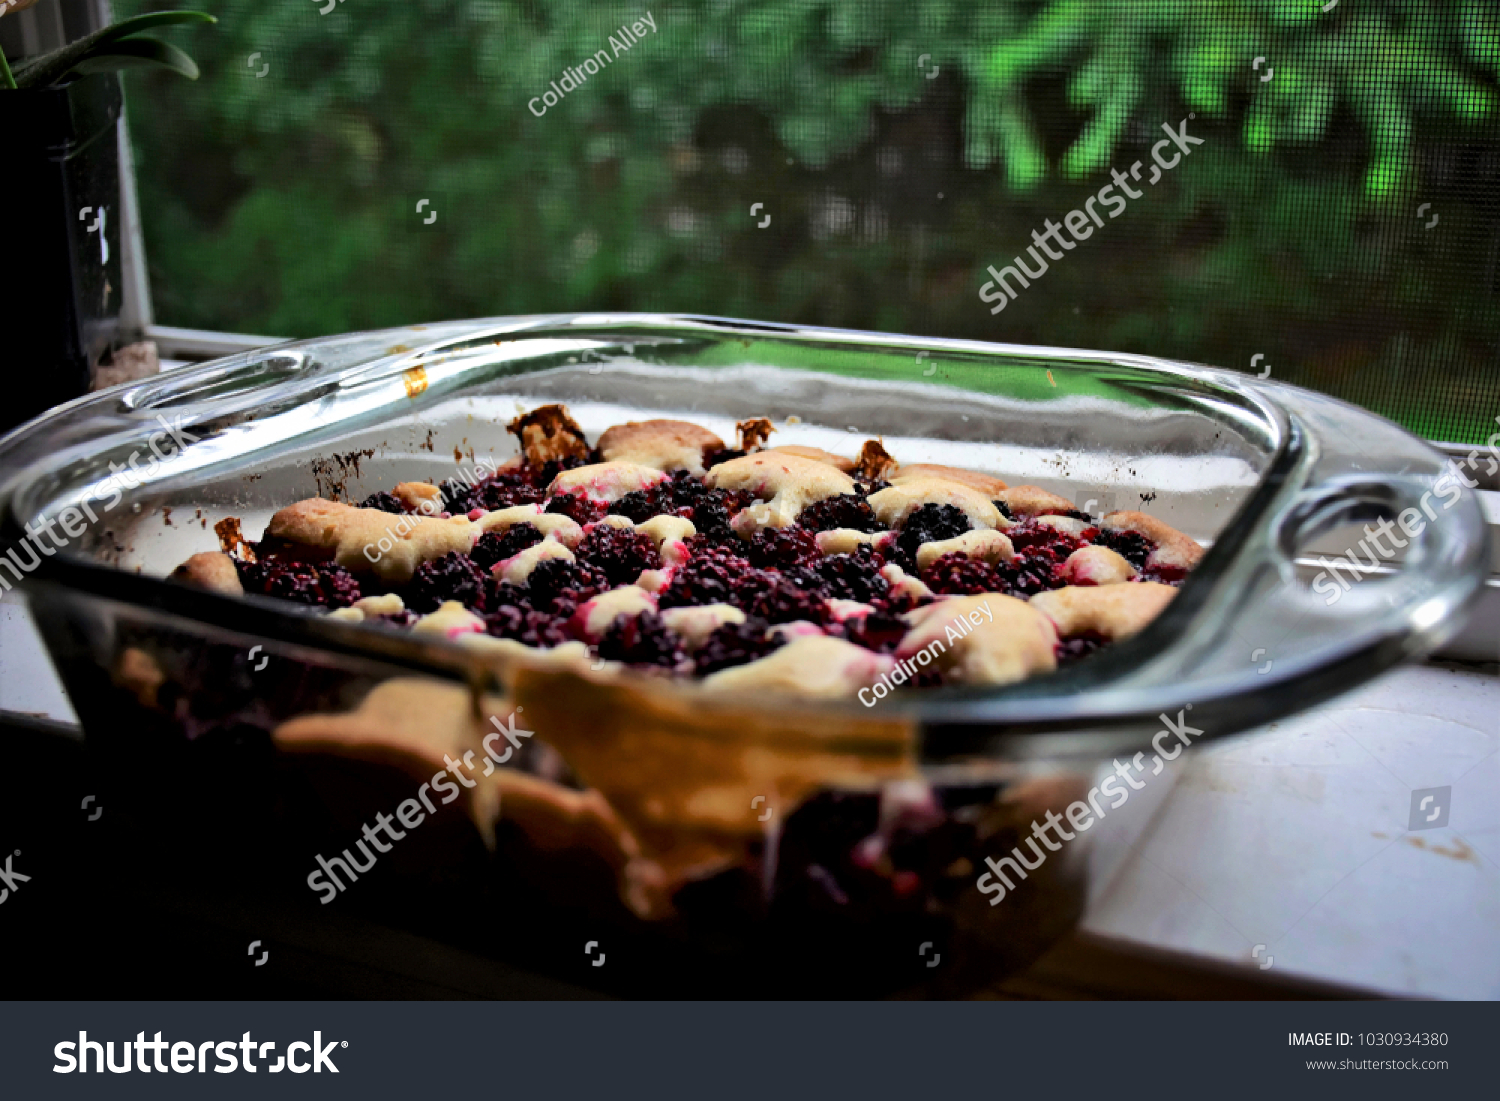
(1114, 611)
(1031, 501)
(548, 434)
(987, 484)
(783, 485)
(818, 455)
(660, 444)
(1174, 551)
(774, 570)
(606, 482)
(893, 505)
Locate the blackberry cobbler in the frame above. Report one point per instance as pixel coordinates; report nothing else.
(752, 567)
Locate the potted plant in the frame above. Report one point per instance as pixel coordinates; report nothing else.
(59, 114)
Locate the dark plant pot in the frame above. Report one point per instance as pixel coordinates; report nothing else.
(60, 192)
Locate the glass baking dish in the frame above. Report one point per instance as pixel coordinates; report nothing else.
(181, 711)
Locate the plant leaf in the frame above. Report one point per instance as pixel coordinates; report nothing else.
(132, 53)
(52, 67)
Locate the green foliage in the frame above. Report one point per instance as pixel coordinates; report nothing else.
(117, 46)
(286, 204)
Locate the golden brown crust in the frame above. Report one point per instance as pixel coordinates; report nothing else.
(812, 665)
(606, 482)
(1115, 611)
(517, 569)
(594, 616)
(450, 621)
(843, 540)
(669, 534)
(874, 463)
(693, 624)
(547, 434)
(984, 639)
(1096, 565)
(987, 484)
(211, 570)
(786, 484)
(562, 528)
(1032, 501)
(232, 541)
(1173, 548)
(420, 496)
(661, 444)
(817, 455)
(415, 725)
(139, 674)
(894, 504)
(753, 432)
(989, 546)
(366, 540)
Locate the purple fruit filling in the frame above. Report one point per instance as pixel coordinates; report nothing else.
(451, 577)
(620, 554)
(641, 640)
(494, 547)
(734, 644)
(320, 584)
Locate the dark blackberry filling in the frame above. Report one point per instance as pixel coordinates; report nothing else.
(735, 644)
(877, 631)
(1030, 536)
(1079, 647)
(527, 626)
(682, 491)
(319, 584)
(854, 576)
(385, 502)
(927, 524)
(959, 575)
(797, 593)
(684, 495)
(1004, 509)
(559, 586)
(782, 548)
(639, 505)
(708, 577)
(1132, 546)
(711, 519)
(490, 496)
(578, 508)
(620, 554)
(1028, 574)
(494, 547)
(777, 577)
(641, 640)
(713, 458)
(451, 577)
(506, 488)
(847, 510)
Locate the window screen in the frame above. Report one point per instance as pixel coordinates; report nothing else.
(1329, 213)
